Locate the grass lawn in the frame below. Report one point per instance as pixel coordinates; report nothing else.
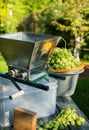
(84, 61)
(3, 66)
(81, 95)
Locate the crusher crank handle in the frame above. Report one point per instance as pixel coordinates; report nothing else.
(57, 76)
(32, 84)
(40, 86)
(15, 95)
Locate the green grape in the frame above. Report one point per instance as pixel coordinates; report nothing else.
(72, 122)
(40, 122)
(61, 127)
(46, 126)
(40, 128)
(82, 120)
(78, 122)
(74, 116)
(55, 128)
(67, 116)
(63, 59)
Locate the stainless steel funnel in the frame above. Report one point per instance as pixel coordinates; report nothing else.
(27, 51)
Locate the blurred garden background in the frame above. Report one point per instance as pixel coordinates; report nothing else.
(66, 18)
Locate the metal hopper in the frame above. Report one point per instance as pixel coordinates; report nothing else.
(26, 56)
(27, 51)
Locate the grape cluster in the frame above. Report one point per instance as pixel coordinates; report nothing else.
(62, 58)
(67, 117)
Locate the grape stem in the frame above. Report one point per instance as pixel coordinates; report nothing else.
(69, 101)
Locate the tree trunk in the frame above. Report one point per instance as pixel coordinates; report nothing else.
(77, 47)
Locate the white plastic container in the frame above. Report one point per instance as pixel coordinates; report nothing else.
(37, 100)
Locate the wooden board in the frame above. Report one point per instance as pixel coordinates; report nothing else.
(24, 119)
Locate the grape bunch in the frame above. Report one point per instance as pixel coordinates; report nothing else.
(62, 58)
(67, 117)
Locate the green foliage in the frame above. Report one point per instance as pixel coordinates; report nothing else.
(87, 41)
(84, 54)
(12, 13)
(15, 11)
(33, 22)
(3, 16)
(65, 18)
(68, 19)
(86, 57)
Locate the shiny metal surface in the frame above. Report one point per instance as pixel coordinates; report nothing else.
(27, 51)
